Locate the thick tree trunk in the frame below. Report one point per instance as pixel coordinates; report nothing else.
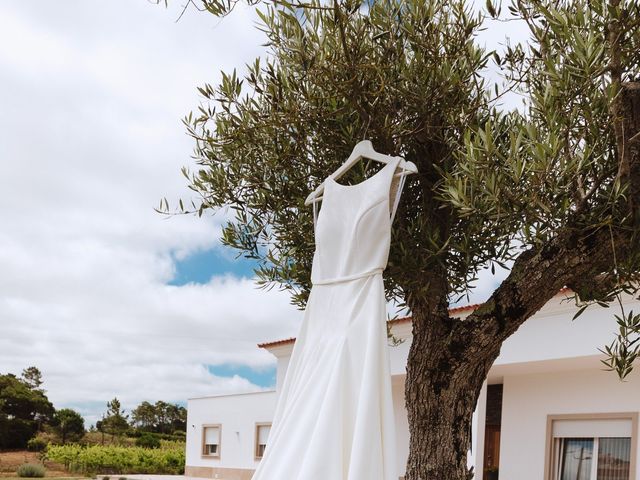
(442, 387)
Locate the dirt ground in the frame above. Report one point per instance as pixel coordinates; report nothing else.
(10, 461)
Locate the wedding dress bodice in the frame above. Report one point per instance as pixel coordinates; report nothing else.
(353, 230)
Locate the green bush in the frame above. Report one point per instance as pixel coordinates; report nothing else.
(168, 459)
(31, 470)
(36, 444)
(148, 440)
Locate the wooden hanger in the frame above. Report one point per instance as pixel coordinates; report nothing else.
(363, 149)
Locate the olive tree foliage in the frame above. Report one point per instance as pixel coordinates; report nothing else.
(409, 76)
(565, 167)
(406, 75)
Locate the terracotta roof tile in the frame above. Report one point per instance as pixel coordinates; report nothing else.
(277, 342)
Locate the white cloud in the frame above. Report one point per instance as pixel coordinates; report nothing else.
(90, 139)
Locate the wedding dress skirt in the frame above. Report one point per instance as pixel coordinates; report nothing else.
(334, 417)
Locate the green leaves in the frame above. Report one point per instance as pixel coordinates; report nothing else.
(491, 8)
(624, 350)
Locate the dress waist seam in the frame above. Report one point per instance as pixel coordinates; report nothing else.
(347, 278)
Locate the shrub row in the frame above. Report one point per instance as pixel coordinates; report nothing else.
(169, 459)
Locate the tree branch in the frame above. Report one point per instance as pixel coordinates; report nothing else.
(596, 288)
(537, 276)
(579, 257)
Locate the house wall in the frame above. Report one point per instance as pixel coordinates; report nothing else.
(475, 458)
(237, 414)
(283, 363)
(553, 334)
(398, 354)
(402, 424)
(529, 398)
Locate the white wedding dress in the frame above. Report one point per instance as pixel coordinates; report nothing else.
(334, 416)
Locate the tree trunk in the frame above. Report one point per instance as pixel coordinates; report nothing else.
(442, 387)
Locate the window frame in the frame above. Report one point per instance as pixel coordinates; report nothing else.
(203, 447)
(256, 437)
(550, 460)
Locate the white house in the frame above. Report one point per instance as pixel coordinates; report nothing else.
(548, 410)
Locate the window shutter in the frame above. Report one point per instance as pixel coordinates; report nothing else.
(609, 427)
(263, 434)
(212, 435)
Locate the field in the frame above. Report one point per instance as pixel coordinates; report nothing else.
(74, 462)
(113, 460)
(10, 461)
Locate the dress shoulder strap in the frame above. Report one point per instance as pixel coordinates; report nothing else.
(399, 186)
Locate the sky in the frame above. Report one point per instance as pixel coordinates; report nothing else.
(104, 295)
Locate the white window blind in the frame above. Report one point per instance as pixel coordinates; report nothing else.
(606, 427)
(263, 434)
(212, 435)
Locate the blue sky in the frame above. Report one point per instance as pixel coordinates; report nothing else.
(200, 266)
(265, 377)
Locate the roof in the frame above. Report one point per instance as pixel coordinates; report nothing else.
(393, 321)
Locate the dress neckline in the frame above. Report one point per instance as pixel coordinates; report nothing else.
(378, 173)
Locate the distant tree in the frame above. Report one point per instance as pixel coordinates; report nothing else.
(143, 417)
(100, 428)
(162, 413)
(115, 421)
(177, 418)
(161, 417)
(22, 411)
(32, 377)
(68, 425)
(170, 417)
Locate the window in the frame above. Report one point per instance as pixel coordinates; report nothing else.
(262, 434)
(591, 447)
(597, 458)
(211, 440)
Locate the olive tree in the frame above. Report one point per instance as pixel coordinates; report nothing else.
(550, 191)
